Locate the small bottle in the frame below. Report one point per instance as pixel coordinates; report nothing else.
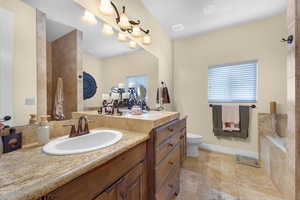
(43, 131)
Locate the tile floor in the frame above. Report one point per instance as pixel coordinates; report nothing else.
(215, 176)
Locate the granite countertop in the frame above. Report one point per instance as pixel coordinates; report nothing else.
(157, 118)
(28, 174)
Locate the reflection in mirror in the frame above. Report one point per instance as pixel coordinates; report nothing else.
(82, 62)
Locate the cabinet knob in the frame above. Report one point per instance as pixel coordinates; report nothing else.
(171, 145)
(171, 163)
(171, 186)
(170, 129)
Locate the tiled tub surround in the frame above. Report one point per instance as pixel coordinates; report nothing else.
(273, 151)
(28, 173)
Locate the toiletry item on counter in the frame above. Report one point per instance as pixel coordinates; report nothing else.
(136, 110)
(32, 119)
(12, 141)
(273, 107)
(43, 131)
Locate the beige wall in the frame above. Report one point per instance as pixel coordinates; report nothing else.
(162, 44)
(24, 59)
(117, 69)
(93, 66)
(258, 40)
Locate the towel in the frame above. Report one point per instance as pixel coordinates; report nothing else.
(218, 127)
(230, 117)
(58, 111)
(165, 94)
(157, 96)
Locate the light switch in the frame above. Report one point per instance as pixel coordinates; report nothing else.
(29, 101)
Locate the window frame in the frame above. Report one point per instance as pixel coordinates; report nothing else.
(233, 64)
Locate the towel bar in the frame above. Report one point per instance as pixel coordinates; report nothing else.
(252, 106)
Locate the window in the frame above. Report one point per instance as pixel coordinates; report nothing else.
(232, 83)
(139, 80)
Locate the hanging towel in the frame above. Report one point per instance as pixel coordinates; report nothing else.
(230, 117)
(58, 111)
(157, 96)
(218, 126)
(165, 94)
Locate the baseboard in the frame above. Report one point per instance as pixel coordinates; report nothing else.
(228, 150)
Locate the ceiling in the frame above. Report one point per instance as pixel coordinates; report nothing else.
(201, 16)
(60, 22)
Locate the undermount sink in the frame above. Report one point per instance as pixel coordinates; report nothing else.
(95, 140)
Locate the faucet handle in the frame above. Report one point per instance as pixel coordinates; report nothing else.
(73, 132)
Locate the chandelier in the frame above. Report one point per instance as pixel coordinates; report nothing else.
(126, 26)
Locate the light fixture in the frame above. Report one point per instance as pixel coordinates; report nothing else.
(124, 22)
(122, 37)
(146, 39)
(132, 44)
(106, 8)
(89, 18)
(136, 31)
(107, 29)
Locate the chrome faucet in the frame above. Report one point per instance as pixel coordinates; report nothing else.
(80, 129)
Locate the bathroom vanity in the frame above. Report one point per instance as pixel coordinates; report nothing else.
(144, 164)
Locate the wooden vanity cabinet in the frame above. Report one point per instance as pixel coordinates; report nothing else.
(166, 153)
(148, 171)
(130, 187)
(123, 178)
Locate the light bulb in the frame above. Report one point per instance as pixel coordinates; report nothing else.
(106, 8)
(107, 29)
(132, 44)
(122, 37)
(147, 39)
(89, 18)
(136, 31)
(124, 21)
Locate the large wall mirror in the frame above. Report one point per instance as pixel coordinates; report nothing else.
(82, 62)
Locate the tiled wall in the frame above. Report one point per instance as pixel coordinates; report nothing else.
(273, 158)
(67, 64)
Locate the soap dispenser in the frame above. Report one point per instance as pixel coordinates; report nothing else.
(43, 131)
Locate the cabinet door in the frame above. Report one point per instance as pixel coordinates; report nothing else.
(111, 192)
(108, 195)
(133, 186)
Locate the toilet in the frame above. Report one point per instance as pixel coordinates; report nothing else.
(193, 143)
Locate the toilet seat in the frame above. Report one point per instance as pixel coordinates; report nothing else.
(193, 138)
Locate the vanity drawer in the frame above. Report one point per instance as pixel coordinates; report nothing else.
(166, 166)
(162, 133)
(166, 147)
(170, 188)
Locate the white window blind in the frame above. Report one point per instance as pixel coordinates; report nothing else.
(232, 83)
